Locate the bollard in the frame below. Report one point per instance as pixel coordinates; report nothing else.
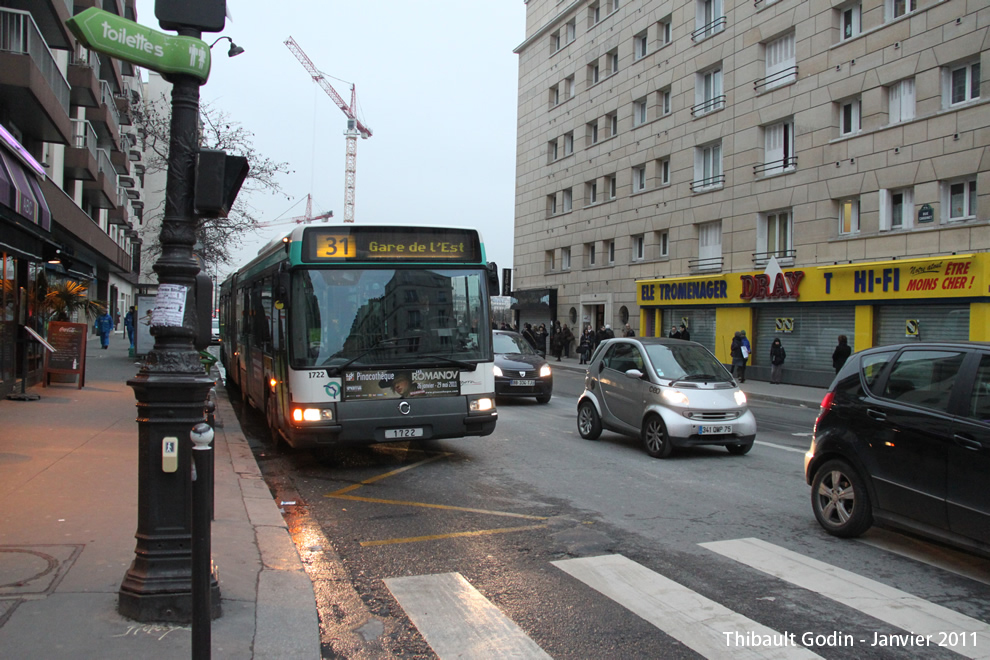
(211, 407)
(202, 480)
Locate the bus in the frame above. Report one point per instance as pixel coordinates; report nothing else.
(364, 334)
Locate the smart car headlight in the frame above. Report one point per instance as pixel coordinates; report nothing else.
(740, 397)
(676, 397)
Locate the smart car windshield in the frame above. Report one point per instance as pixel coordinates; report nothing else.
(684, 361)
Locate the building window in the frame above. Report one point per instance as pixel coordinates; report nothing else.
(639, 111)
(640, 45)
(663, 171)
(708, 94)
(591, 191)
(568, 201)
(709, 19)
(565, 258)
(612, 60)
(849, 216)
(639, 178)
(555, 42)
(663, 243)
(614, 6)
(708, 167)
(896, 209)
(613, 123)
(555, 96)
(639, 248)
(959, 199)
(849, 21)
(961, 83)
(900, 100)
(781, 66)
(664, 101)
(774, 236)
(549, 260)
(594, 73)
(849, 117)
(611, 187)
(594, 14)
(589, 250)
(568, 143)
(897, 8)
(664, 34)
(610, 249)
(569, 87)
(593, 132)
(551, 205)
(570, 31)
(778, 155)
(710, 246)
(552, 150)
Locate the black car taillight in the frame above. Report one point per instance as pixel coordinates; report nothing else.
(825, 407)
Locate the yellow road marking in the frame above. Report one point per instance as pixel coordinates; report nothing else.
(388, 474)
(375, 500)
(434, 537)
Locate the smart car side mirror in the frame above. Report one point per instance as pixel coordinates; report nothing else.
(635, 374)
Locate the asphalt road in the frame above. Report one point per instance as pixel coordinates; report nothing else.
(534, 541)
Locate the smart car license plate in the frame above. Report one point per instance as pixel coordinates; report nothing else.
(713, 429)
(522, 383)
(392, 434)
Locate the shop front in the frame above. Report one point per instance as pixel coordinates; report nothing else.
(872, 304)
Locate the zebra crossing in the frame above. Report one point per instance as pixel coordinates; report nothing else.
(457, 621)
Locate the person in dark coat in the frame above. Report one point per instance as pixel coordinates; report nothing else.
(627, 331)
(566, 337)
(841, 353)
(738, 361)
(529, 336)
(586, 345)
(684, 334)
(777, 355)
(674, 333)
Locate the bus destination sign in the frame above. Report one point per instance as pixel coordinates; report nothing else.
(390, 244)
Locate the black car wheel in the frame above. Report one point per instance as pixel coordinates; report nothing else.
(588, 422)
(840, 501)
(543, 398)
(739, 449)
(655, 438)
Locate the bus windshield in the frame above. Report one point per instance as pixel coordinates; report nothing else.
(380, 317)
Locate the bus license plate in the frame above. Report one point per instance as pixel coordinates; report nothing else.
(392, 434)
(711, 429)
(522, 383)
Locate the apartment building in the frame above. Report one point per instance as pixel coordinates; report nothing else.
(70, 172)
(797, 169)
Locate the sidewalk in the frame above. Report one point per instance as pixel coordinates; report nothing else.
(68, 481)
(794, 395)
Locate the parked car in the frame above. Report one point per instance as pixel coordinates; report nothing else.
(519, 369)
(669, 392)
(215, 332)
(903, 439)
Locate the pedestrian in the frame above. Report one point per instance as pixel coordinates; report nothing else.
(777, 356)
(556, 341)
(541, 335)
(608, 332)
(529, 336)
(739, 353)
(628, 331)
(841, 353)
(746, 349)
(684, 334)
(129, 319)
(584, 348)
(116, 321)
(566, 338)
(103, 327)
(674, 333)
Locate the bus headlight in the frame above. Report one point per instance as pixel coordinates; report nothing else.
(482, 404)
(312, 414)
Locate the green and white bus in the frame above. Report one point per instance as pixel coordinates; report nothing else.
(364, 334)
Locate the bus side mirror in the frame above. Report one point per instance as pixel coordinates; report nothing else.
(281, 290)
(492, 279)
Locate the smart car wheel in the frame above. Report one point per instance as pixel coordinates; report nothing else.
(740, 448)
(840, 501)
(588, 421)
(655, 438)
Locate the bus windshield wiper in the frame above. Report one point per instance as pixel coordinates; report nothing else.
(388, 342)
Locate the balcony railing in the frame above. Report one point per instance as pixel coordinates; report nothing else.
(85, 57)
(19, 34)
(775, 80)
(106, 167)
(710, 29)
(700, 185)
(709, 105)
(705, 264)
(784, 257)
(787, 164)
(83, 136)
(106, 98)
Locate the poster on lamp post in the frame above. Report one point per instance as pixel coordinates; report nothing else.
(143, 341)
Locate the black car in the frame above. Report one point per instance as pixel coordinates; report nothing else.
(903, 439)
(519, 369)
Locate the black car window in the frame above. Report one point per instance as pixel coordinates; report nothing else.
(505, 343)
(872, 366)
(924, 378)
(979, 401)
(623, 357)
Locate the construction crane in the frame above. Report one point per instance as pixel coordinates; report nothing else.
(354, 125)
(301, 219)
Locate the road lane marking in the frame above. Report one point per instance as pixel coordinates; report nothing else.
(427, 505)
(451, 535)
(873, 598)
(697, 622)
(392, 473)
(457, 621)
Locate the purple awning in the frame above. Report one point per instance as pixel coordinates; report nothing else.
(26, 198)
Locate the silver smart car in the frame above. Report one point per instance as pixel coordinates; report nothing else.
(669, 392)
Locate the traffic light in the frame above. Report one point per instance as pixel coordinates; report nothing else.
(205, 15)
(218, 180)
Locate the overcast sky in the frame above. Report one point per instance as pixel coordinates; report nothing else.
(436, 83)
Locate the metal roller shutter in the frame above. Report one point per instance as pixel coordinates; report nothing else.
(814, 334)
(927, 323)
(700, 323)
